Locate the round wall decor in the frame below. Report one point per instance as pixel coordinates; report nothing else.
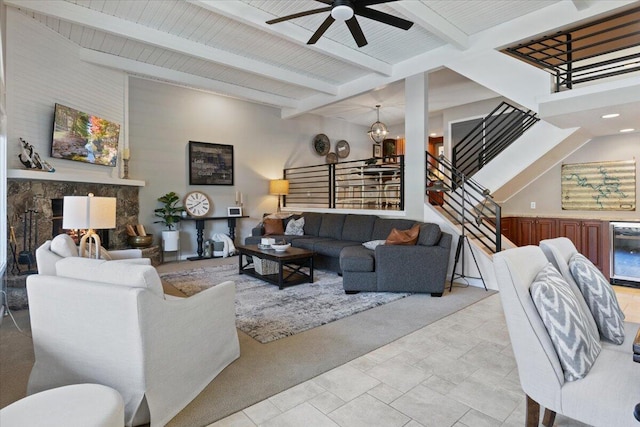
(342, 149)
(321, 144)
(332, 158)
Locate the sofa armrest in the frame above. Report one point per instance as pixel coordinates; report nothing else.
(257, 231)
(126, 254)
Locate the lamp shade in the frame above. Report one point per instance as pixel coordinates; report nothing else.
(89, 212)
(279, 187)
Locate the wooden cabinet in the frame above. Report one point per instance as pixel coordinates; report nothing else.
(590, 237)
(532, 230)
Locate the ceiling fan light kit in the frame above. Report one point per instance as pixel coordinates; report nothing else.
(346, 10)
(378, 131)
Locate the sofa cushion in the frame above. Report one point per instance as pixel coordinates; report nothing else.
(403, 237)
(358, 228)
(307, 243)
(332, 248)
(113, 272)
(600, 298)
(64, 246)
(312, 221)
(429, 234)
(357, 259)
(383, 227)
(272, 226)
(332, 226)
(575, 344)
(295, 227)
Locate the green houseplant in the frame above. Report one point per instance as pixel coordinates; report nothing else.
(169, 214)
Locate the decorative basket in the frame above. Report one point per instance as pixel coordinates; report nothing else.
(264, 266)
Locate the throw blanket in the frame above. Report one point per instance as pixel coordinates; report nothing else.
(229, 248)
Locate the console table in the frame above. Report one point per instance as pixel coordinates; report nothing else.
(231, 222)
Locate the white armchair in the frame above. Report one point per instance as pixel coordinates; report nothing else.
(108, 323)
(605, 396)
(63, 246)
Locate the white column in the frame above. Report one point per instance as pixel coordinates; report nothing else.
(416, 125)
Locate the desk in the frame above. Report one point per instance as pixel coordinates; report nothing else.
(231, 222)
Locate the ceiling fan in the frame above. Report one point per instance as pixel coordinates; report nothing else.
(346, 10)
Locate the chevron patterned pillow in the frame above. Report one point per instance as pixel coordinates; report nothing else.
(576, 345)
(600, 298)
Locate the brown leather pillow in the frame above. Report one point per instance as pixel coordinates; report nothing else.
(272, 226)
(404, 237)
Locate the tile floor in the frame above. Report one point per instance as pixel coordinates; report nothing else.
(458, 372)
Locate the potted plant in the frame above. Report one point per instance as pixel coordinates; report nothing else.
(169, 215)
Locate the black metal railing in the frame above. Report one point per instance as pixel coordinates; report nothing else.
(600, 49)
(464, 202)
(376, 183)
(490, 137)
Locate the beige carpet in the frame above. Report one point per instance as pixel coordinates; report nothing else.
(264, 369)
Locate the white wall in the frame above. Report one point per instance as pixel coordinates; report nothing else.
(546, 189)
(164, 118)
(43, 68)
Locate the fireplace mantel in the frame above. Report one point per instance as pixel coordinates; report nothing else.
(71, 177)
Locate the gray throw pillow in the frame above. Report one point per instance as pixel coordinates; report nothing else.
(576, 345)
(600, 298)
(372, 244)
(295, 227)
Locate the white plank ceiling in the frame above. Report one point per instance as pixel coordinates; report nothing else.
(225, 46)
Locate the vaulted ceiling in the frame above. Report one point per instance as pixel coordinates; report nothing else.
(226, 47)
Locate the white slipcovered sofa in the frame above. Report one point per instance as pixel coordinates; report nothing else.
(605, 396)
(109, 323)
(63, 246)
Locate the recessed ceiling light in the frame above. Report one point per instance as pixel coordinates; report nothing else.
(433, 134)
(627, 130)
(610, 116)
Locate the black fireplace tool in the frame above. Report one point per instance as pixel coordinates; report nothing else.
(13, 245)
(26, 257)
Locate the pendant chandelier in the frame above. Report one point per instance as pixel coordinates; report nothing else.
(378, 131)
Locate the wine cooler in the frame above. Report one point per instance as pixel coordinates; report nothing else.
(625, 253)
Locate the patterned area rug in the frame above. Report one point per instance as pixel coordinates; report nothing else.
(267, 314)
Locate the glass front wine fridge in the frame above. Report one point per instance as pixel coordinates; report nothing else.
(625, 253)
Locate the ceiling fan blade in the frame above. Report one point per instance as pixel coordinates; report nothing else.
(383, 17)
(321, 29)
(326, 1)
(356, 32)
(299, 15)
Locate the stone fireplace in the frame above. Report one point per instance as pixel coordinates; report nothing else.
(29, 194)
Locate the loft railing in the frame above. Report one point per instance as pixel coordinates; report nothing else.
(376, 183)
(604, 48)
(490, 137)
(464, 201)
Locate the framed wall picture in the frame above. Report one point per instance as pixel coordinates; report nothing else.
(210, 164)
(377, 150)
(234, 211)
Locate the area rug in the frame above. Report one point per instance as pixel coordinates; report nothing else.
(266, 313)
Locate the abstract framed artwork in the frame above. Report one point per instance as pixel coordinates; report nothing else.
(210, 164)
(607, 186)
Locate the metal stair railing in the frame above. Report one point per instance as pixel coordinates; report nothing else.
(466, 202)
(490, 137)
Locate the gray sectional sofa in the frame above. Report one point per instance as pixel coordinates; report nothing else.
(337, 241)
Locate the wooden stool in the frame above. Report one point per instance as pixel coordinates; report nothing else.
(81, 405)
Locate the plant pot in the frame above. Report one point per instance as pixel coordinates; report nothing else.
(170, 240)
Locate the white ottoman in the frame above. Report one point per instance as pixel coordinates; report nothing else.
(81, 405)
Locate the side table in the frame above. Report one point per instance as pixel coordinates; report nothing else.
(154, 254)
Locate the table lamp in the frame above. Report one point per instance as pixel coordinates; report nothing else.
(90, 213)
(279, 187)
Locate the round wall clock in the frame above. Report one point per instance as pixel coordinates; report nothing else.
(321, 144)
(342, 148)
(197, 204)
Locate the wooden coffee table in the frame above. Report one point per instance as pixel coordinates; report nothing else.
(295, 265)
